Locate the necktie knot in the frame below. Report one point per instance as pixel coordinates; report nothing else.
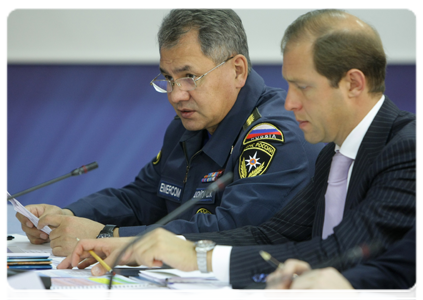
(339, 168)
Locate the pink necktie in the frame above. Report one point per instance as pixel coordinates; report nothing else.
(336, 192)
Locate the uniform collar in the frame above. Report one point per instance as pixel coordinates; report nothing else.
(220, 144)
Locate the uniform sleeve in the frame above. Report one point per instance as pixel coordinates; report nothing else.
(133, 205)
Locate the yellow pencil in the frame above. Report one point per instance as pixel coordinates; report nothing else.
(106, 266)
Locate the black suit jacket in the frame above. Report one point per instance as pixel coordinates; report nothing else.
(380, 205)
(394, 269)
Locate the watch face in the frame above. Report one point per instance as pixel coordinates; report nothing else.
(205, 244)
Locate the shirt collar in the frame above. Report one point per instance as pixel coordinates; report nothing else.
(353, 141)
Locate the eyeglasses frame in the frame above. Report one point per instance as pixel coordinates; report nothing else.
(172, 83)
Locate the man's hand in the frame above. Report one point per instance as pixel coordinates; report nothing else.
(34, 235)
(282, 278)
(107, 248)
(154, 249)
(66, 230)
(327, 278)
(297, 274)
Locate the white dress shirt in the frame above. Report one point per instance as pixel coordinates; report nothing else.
(221, 254)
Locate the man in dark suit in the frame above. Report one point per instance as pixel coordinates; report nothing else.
(393, 269)
(335, 65)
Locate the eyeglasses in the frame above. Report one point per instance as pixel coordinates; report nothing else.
(184, 84)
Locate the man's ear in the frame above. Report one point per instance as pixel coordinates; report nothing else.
(241, 70)
(356, 82)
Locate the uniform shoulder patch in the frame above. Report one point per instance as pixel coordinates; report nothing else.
(255, 159)
(264, 131)
(203, 211)
(157, 159)
(252, 118)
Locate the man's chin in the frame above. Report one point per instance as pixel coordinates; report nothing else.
(312, 138)
(191, 126)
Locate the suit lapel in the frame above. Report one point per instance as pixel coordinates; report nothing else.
(321, 180)
(373, 142)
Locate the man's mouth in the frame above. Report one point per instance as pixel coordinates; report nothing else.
(301, 123)
(186, 113)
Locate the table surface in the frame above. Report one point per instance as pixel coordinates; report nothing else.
(13, 226)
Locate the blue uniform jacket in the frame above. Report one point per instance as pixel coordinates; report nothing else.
(259, 141)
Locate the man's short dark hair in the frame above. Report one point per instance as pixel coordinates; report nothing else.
(338, 47)
(220, 32)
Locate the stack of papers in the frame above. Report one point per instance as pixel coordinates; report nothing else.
(176, 279)
(30, 261)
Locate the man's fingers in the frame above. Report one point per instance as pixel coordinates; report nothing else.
(98, 270)
(50, 220)
(295, 266)
(86, 262)
(82, 247)
(305, 281)
(24, 220)
(34, 235)
(278, 280)
(59, 251)
(37, 241)
(43, 236)
(66, 263)
(21, 217)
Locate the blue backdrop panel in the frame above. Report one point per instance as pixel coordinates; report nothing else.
(63, 116)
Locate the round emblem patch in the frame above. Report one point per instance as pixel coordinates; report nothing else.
(203, 211)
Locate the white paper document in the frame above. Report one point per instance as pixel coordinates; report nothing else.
(26, 280)
(22, 210)
(176, 279)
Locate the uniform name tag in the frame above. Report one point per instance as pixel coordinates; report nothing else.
(200, 193)
(168, 189)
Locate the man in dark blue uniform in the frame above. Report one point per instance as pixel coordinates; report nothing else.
(227, 121)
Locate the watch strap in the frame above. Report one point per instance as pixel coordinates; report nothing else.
(106, 232)
(202, 261)
(202, 247)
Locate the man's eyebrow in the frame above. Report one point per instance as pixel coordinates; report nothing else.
(177, 70)
(293, 80)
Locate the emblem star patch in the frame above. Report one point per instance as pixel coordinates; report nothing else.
(255, 159)
(253, 162)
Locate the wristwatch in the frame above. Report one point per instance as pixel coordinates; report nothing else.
(202, 247)
(106, 232)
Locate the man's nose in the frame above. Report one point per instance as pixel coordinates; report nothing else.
(178, 95)
(292, 101)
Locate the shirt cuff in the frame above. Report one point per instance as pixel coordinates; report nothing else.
(220, 262)
(373, 296)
